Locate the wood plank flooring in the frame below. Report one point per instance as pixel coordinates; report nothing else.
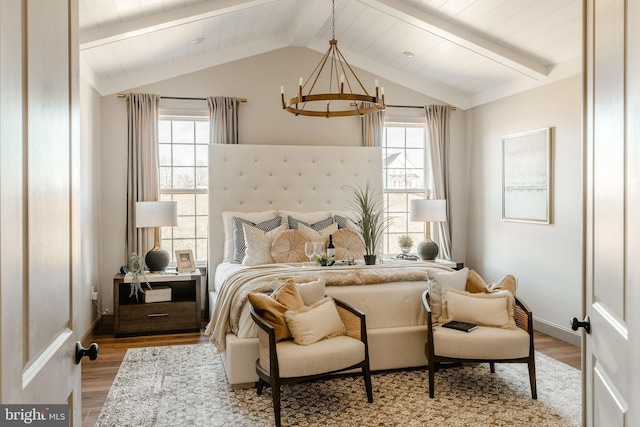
(98, 375)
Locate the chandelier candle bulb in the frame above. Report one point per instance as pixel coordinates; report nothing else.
(281, 90)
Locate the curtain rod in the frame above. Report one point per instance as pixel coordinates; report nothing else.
(122, 95)
(414, 106)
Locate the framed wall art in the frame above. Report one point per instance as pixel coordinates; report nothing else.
(526, 176)
(185, 261)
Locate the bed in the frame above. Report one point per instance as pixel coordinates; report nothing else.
(256, 184)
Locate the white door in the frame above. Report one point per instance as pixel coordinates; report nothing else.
(612, 252)
(39, 205)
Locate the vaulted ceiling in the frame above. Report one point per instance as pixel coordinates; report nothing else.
(464, 52)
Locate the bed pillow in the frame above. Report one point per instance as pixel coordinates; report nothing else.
(348, 244)
(288, 247)
(495, 309)
(272, 308)
(254, 217)
(319, 225)
(438, 280)
(308, 217)
(258, 244)
(239, 245)
(344, 220)
(317, 235)
(313, 323)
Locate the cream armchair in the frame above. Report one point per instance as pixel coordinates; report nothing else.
(485, 344)
(286, 362)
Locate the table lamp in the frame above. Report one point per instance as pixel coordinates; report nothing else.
(428, 210)
(156, 215)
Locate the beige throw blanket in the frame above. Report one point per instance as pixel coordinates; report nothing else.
(233, 292)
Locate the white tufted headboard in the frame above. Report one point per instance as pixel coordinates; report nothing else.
(252, 178)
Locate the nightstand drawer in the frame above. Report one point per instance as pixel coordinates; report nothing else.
(161, 316)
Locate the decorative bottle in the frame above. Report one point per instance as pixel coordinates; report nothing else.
(331, 250)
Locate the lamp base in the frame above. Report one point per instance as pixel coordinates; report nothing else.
(157, 260)
(427, 250)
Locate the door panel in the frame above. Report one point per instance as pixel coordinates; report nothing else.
(39, 205)
(612, 167)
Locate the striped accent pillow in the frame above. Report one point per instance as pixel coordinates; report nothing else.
(293, 223)
(239, 245)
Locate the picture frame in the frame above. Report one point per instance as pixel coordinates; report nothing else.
(527, 176)
(185, 261)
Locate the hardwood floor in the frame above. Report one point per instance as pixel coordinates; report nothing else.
(98, 375)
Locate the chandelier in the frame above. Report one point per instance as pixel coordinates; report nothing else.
(340, 98)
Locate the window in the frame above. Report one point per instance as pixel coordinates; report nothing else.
(183, 156)
(405, 163)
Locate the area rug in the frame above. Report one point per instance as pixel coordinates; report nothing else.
(186, 386)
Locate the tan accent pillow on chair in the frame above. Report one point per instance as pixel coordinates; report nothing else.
(507, 283)
(475, 283)
(438, 281)
(495, 309)
(316, 322)
(288, 247)
(272, 308)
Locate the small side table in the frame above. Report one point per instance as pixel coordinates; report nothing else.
(135, 317)
(451, 264)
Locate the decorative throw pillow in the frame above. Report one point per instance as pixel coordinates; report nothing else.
(317, 235)
(475, 283)
(311, 292)
(239, 246)
(345, 222)
(438, 280)
(288, 247)
(272, 308)
(507, 283)
(227, 222)
(348, 244)
(308, 217)
(313, 323)
(319, 225)
(496, 309)
(258, 244)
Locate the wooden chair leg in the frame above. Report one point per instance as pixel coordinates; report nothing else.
(432, 372)
(259, 386)
(492, 367)
(532, 378)
(275, 392)
(366, 373)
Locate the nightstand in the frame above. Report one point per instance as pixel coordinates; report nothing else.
(181, 313)
(449, 263)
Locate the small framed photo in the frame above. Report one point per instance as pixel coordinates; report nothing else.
(185, 261)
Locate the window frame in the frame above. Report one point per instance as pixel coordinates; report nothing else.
(400, 218)
(170, 193)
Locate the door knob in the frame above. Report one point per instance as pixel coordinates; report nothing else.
(586, 324)
(92, 352)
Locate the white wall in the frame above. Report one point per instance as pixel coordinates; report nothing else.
(546, 258)
(89, 203)
(261, 122)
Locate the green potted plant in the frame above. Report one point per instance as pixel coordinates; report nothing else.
(369, 219)
(406, 243)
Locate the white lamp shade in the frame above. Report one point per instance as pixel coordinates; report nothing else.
(156, 214)
(430, 210)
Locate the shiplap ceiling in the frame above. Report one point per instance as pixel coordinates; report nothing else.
(467, 52)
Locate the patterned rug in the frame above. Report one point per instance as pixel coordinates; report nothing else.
(186, 386)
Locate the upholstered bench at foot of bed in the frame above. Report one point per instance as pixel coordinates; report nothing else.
(389, 348)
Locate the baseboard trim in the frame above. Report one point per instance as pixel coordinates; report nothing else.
(559, 332)
(88, 335)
